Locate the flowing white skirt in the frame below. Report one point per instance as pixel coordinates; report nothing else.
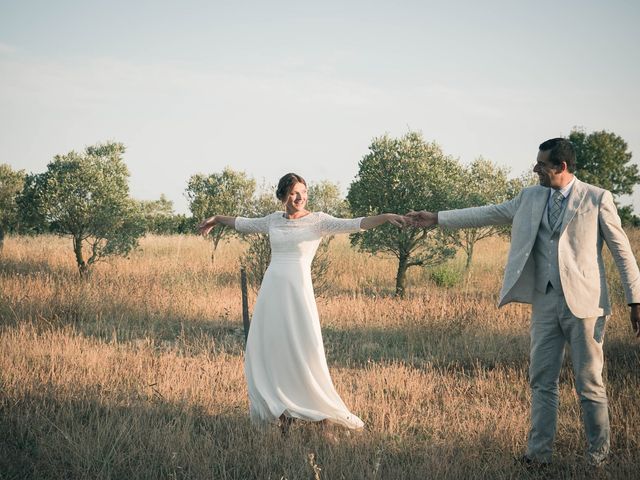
(285, 363)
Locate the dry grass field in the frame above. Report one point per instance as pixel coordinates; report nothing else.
(137, 373)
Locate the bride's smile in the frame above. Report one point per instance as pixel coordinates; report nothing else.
(296, 201)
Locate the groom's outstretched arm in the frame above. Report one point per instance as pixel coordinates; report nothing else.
(501, 214)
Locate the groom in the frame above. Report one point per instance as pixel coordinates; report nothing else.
(555, 263)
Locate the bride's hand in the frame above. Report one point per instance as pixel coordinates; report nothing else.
(397, 220)
(206, 225)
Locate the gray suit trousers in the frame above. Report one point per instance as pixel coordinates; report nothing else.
(552, 327)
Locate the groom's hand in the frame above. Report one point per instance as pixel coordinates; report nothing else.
(422, 219)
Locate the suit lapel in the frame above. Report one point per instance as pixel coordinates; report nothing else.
(575, 199)
(537, 209)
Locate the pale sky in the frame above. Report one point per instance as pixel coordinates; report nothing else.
(271, 87)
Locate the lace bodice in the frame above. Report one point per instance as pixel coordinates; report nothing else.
(297, 238)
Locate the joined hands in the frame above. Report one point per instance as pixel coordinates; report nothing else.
(421, 219)
(207, 225)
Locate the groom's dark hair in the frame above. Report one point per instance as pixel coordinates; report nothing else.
(561, 150)
(286, 183)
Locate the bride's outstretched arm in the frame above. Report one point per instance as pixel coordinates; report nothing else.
(377, 220)
(208, 224)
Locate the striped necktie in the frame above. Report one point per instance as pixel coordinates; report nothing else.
(556, 208)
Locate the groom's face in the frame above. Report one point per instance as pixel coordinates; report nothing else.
(549, 175)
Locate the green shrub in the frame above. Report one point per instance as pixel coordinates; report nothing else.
(446, 276)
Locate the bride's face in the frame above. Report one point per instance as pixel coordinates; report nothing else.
(297, 198)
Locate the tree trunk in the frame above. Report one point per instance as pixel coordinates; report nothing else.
(83, 268)
(401, 276)
(1, 238)
(215, 241)
(469, 252)
(246, 321)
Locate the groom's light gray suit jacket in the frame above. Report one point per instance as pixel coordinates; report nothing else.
(590, 217)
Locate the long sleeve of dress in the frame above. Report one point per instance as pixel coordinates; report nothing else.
(329, 225)
(253, 225)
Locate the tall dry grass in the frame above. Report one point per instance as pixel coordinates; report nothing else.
(137, 373)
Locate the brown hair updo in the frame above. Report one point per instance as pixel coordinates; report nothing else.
(286, 183)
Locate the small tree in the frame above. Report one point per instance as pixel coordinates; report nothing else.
(226, 193)
(602, 159)
(159, 216)
(86, 196)
(482, 183)
(398, 175)
(325, 197)
(11, 183)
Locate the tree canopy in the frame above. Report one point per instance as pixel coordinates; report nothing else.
(398, 175)
(325, 197)
(86, 196)
(160, 218)
(227, 193)
(11, 184)
(482, 183)
(602, 159)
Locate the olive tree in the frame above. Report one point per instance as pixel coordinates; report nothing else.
(482, 183)
(160, 218)
(603, 159)
(86, 196)
(226, 193)
(11, 183)
(398, 175)
(325, 196)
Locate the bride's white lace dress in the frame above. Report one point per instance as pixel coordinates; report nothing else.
(285, 363)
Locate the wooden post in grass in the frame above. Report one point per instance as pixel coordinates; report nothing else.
(245, 303)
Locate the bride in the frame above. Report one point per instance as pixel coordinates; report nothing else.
(285, 365)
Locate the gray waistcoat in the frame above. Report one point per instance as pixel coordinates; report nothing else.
(545, 253)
